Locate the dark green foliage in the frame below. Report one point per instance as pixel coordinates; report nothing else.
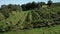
(29, 6)
(56, 4)
(7, 9)
(1, 16)
(47, 17)
(14, 7)
(33, 5)
(2, 29)
(42, 3)
(49, 3)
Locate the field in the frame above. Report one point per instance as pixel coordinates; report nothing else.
(44, 30)
(37, 21)
(21, 20)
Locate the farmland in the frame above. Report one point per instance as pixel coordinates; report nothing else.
(30, 18)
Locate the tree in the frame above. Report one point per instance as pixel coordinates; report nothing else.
(49, 3)
(4, 10)
(29, 6)
(42, 3)
(7, 9)
(23, 7)
(34, 5)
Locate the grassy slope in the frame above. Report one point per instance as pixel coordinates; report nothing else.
(21, 16)
(13, 19)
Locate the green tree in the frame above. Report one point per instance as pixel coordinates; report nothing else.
(4, 10)
(49, 3)
(42, 3)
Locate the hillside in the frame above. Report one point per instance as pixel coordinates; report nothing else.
(44, 17)
(30, 18)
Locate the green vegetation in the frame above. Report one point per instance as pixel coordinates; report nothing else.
(44, 30)
(30, 18)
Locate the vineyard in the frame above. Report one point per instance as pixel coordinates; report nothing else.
(33, 17)
(37, 18)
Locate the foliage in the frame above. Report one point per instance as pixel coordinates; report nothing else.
(1, 16)
(44, 30)
(7, 9)
(12, 18)
(49, 3)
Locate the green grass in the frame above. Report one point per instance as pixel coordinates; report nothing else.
(44, 30)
